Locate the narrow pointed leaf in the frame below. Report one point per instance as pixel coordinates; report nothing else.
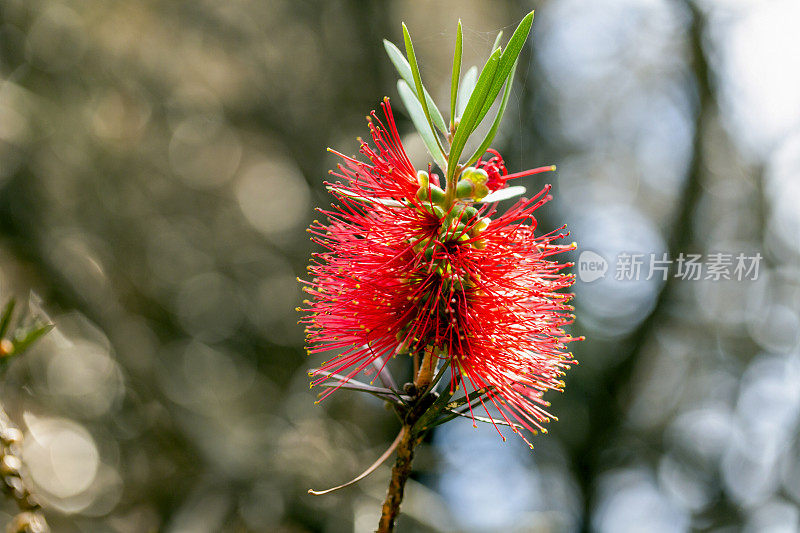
(487, 141)
(496, 44)
(354, 385)
(385, 395)
(6, 318)
(404, 69)
(467, 398)
(23, 343)
(420, 90)
(465, 89)
(453, 414)
(503, 194)
(456, 73)
(427, 419)
(507, 62)
(421, 123)
(446, 403)
(374, 466)
(388, 202)
(469, 120)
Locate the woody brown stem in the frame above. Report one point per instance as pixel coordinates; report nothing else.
(408, 441)
(426, 370)
(400, 472)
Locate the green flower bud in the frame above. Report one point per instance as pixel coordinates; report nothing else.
(434, 210)
(478, 176)
(431, 193)
(462, 212)
(472, 183)
(464, 189)
(452, 230)
(481, 191)
(479, 227)
(422, 178)
(470, 212)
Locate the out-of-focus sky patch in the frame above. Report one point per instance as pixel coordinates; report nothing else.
(756, 45)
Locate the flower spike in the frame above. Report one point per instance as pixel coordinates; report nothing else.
(421, 267)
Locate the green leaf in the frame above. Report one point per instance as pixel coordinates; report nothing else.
(430, 418)
(465, 89)
(421, 123)
(456, 73)
(426, 420)
(497, 119)
(6, 318)
(507, 62)
(496, 44)
(29, 337)
(404, 69)
(468, 398)
(469, 120)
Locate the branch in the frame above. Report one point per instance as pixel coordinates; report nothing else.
(374, 466)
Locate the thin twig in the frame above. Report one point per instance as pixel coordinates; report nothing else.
(30, 518)
(374, 466)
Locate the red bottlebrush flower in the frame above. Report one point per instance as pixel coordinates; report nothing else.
(402, 272)
(498, 175)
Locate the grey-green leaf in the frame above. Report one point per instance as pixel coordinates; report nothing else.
(452, 414)
(465, 89)
(503, 194)
(404, 69)
(496, 44)
(417, 115)
(412, 61)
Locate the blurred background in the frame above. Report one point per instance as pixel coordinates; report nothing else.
(159, 161)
